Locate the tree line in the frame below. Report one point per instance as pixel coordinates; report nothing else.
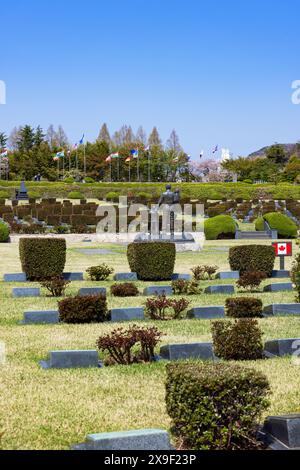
(32, 151)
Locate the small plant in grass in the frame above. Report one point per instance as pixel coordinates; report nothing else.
(182, 287)
(100, 273)
(244, 307)
(203, 272)
(179, 307)
(56, 285)
(131, 346)
(126, 289)
(162, 308)
(238, 341)
(251, 280)
(295, 276)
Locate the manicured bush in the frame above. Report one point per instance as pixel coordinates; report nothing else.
(126, 289)
(4, 195)
(75, 195)
(131, 346)
(260, 224)
(69, 180)
(113, 196)
(4, 232)
(56, 285)
(42, 258)
(285, 227)
(220, 227)
(204, 272)
(152, 261)
(215, 406)
(100, 273)
(244, 307)
(158, 308)
(89, 180)
(85, 309)
(238, 341)
(251, 280)
(246, 258)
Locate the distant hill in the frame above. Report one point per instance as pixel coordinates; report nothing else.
(289, 148)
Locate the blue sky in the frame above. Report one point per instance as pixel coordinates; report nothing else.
(219, 72)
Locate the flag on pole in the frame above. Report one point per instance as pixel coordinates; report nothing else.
(82, 140)
(4, 154)
(128, 160)
(108, 159)
(135, 153)
(147, 148)
(201, 154)
(58, 156)
(115, 155)
(75, 146)
(216, 149)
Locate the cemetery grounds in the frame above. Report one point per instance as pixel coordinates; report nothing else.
(54, 409)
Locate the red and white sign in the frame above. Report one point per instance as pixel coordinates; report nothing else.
(283, 249)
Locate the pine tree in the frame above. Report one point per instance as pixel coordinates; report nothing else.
(39, 136)
(26, 139)
(104, 135)
(154, 138)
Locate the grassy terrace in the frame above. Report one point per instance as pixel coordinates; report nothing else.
(53, 409)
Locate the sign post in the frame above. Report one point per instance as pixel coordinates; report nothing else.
(282, 250)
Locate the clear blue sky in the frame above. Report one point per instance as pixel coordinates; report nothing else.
(219, 72)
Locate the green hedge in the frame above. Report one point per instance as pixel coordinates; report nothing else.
(285, 227)
(260, 224)
(4, 232)
(42, 258)
(75, 195)
(84, 309)
(154, 261)
(221, 226)
(215, 406)
(245, 258)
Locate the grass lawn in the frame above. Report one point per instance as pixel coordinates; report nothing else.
(54, 409)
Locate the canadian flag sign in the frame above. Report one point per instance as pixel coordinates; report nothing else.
(283, 249)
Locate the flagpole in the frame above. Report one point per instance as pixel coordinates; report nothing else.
(149, 168)
(129, 171)
(118, 169)
(84, 160)
(138, 168)
(110, 163)
(77, 159)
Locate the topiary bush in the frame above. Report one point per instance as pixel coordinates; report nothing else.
(220, 227)
(100, 273)
(126, 289)
(285, 227)
(244, 307)
(56, 285)
(215, 406)
(203, 272)
(42, 258)
(75, 195)
(246, 258)
(238, 341)
(260, 224)
(4, 232)
(112, 196)
(158, 308)
(152, 261)
(85, 309)
(181, 286)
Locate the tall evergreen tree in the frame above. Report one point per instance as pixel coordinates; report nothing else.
(154, 138)
(26, 139)
(39, 136)
(104, 135)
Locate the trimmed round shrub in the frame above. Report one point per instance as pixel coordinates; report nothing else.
(244, 307)
(238, 341)
(75, 195)
(285, 227)
(33, 195)
(69, 180)
(215, 406)
(153, 261)
(260, 224)
(89, 180)
(42, 258)
(245, 258)
(84, 309)
(112, 196)
(4, 195)
(126, 289)
(4, 232)
(220, 227)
